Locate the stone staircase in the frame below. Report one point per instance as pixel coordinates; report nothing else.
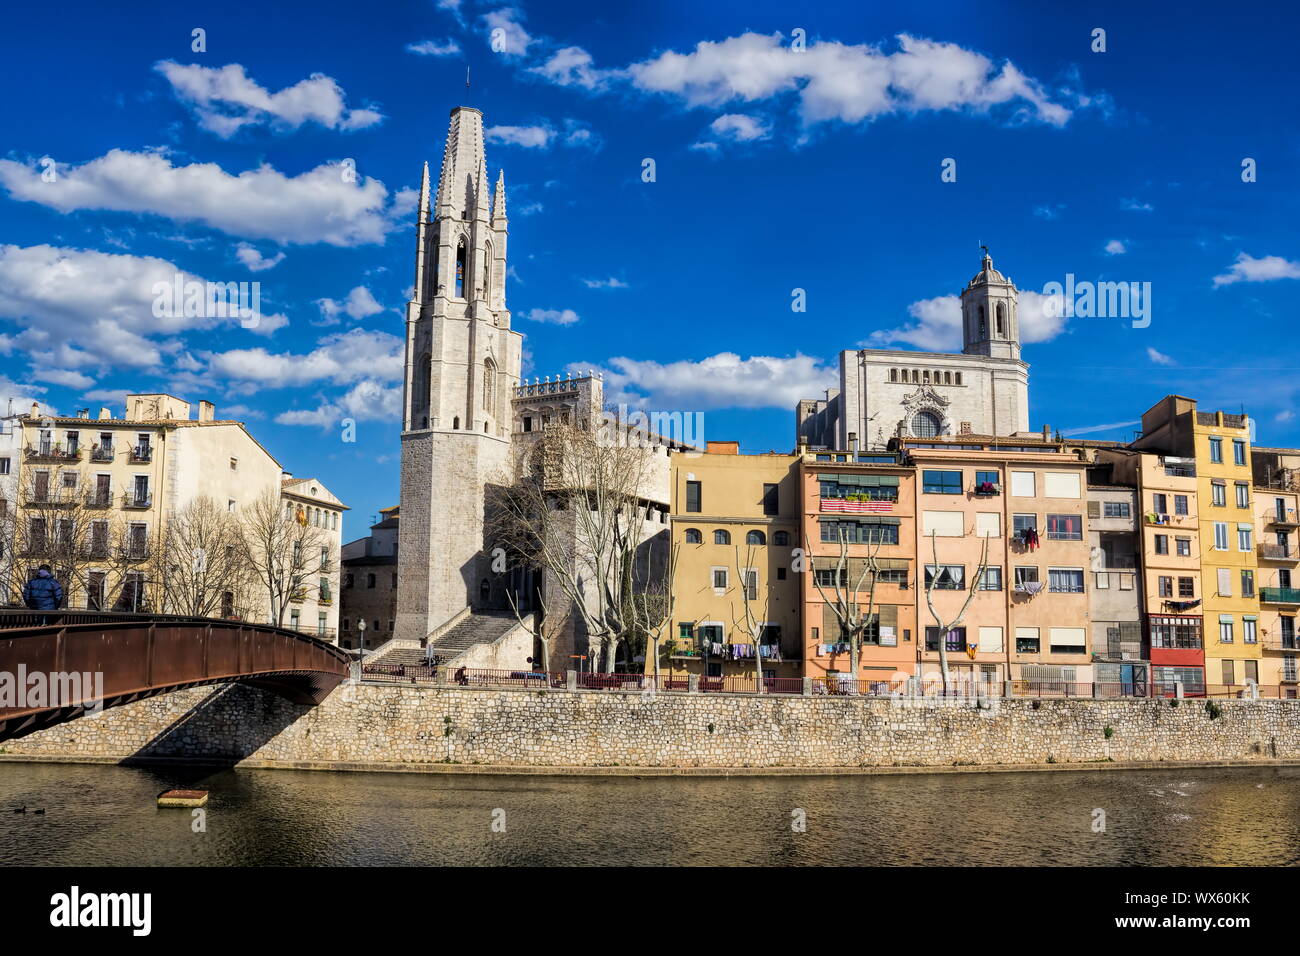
(478, 627)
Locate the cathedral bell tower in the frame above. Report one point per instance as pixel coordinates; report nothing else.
(462, 359)
(462, 369)
(988, 312)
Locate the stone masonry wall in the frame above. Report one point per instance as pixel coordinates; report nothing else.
(561, 728)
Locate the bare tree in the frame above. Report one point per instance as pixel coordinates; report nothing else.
(755, 606)
(200, 566)
(573, 509)
(284, 551)
(941, 625)
(844, 599)
(52, 525)
(653, 606)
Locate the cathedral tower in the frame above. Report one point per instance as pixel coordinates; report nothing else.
(988, 312)
(462, 368)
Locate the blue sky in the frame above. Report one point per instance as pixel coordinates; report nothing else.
(775, 169)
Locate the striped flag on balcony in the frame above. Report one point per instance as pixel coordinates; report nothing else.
(843, 506)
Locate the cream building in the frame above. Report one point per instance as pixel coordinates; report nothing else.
(116, 481)
(315, 609)
(884, 393)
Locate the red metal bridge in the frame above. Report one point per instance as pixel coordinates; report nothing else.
(57, 665)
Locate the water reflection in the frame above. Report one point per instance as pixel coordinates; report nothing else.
(98, 815)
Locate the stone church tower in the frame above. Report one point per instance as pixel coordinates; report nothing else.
(462, 369)
(988, 311)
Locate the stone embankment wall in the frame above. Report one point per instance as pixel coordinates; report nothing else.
(409, 725)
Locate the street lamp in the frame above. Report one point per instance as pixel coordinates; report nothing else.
(361, 647)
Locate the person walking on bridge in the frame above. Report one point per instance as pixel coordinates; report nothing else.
(42, 592)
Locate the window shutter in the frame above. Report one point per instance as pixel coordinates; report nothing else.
(1094, 509)
(1225, 582)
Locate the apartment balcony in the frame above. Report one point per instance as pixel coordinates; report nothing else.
(102, 453)
(986, 489)
(857, 506)
(1280, 595)
(96, 499)
(1280, 642)
(137, 501)
(140, 455)
(1278, 552)
(1179, 467)
(1118, 562)
(46, 452)
(1283, 518)
(51, 498)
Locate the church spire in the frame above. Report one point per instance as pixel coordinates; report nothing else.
(463, 179)
(424, 194)
(499, 201)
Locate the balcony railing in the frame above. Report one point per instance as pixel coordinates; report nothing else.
(101, 453)
(99, 499)
(49, 452)
(53, 497)
(1280, 595)
(140, 454)
(1280, 642)
(1284, 516)
(1278, 552)
(134, 499)
(986, 489)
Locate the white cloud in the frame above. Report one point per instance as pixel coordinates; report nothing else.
(1050, 211)
(505, 34)
(572, 66)
(448, 47)
(320, 205)
(79, 307)
(837, 81)
(937, 327)
(1133, 205)
(19, 398)
(610, 283)
(1249, 269)
(368, 400)
(1159, 358)
(529, 137)
(1116, 248)
(225, 99)
(705, 147)
(342, 359)
(1286, 415)
(254, 261)
(552, 316)
(62, 376)
(1090, 429)
(740, 127)
(359, 304)
(107, 396)
(724, 380)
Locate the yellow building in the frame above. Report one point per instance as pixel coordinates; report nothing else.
(1277, 513)
(1217, 447)
(735, 522)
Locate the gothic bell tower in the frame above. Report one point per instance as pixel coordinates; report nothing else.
(462, 358)
(990, 325)
(462, 369)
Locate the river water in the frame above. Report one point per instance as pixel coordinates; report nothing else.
(106, 815)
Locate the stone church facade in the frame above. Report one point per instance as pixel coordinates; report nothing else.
(984, 389)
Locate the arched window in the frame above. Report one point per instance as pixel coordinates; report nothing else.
(693, 536)
(460, 268)
(484, 591)
(490, 386)
(781, 539)
(925, 376)
(984, 323)
(756, 537)
(947, 378)
(1002, 317)
(487, 273)
(722, 537)
(925, 424)
(455, 422)
(893, 375)
(958, 378)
